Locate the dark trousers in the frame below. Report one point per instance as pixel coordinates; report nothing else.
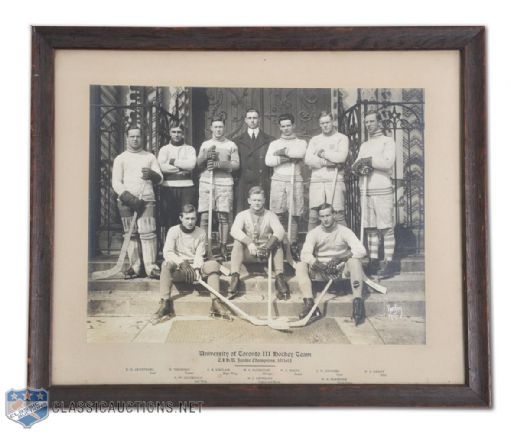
(172, 200)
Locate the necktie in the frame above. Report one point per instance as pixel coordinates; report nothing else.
(253, 137)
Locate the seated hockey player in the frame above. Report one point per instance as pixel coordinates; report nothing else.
(331, 251)
(183, 252)
(257, 233)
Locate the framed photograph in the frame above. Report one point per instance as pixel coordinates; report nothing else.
(259, 216)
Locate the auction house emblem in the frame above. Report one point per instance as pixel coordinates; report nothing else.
(27, 406)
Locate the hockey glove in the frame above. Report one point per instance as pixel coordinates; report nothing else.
(150, 174)
(269, 247)
(189, 272)
(363, 166)
(132, 201)
(212, 154)
(333, 272)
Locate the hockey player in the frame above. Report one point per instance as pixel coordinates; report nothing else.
(257, 233)
(134, 173)
(331, 251)
(220, 156)
(183, 252)
(285, 155)
(376, 160)
(326, 157)
(177, 161)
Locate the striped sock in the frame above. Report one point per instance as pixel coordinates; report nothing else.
(373, 244)
(389, 243)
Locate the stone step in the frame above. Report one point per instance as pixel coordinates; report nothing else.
(124, 303)
(403, 265)
(118, 297)
(253, 283)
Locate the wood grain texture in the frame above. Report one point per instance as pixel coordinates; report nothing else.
(41, 211)
(469, 41)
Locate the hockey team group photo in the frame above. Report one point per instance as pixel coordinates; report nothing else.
(245, 215)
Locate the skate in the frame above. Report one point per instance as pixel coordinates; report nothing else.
(218, 310)
(358, 310)
(130, 274)
(155, 274)
(234, 286)
(308, 303)
(164, 313)
(282, 288)
(385, 270)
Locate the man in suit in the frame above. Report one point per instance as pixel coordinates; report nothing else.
(252, 147)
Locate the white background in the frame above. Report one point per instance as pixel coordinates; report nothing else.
(501, 20)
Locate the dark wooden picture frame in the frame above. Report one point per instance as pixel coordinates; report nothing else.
(469, 41)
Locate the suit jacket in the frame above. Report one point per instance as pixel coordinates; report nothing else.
(253, 171)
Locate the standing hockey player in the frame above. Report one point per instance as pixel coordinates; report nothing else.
(177, 161)
(252, 147)
(326, 157)
(218, 158)
(257, 233)
(285, 155)
(134, 173)
(331, 251)
(375, 161)
(183, 252)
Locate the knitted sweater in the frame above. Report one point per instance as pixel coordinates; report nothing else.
(179, 174)
(325, 244)
(249, 227)
(126, 173)
(382, 150)
(295, 149)
(335, 149)
(180, 246)
(227, 151)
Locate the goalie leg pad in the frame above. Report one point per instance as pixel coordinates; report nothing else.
(146, 228)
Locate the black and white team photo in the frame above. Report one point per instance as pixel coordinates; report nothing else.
(256, 215)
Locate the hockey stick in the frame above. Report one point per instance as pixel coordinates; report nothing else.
(374, 285)
(210, 215)
(334, 187)
(255, 321)
(291, 203)
(303, 322)
(288, 253)
(363, 205)
(104, 274)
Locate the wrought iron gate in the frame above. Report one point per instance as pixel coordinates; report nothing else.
(404, 121)
(113, 109)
